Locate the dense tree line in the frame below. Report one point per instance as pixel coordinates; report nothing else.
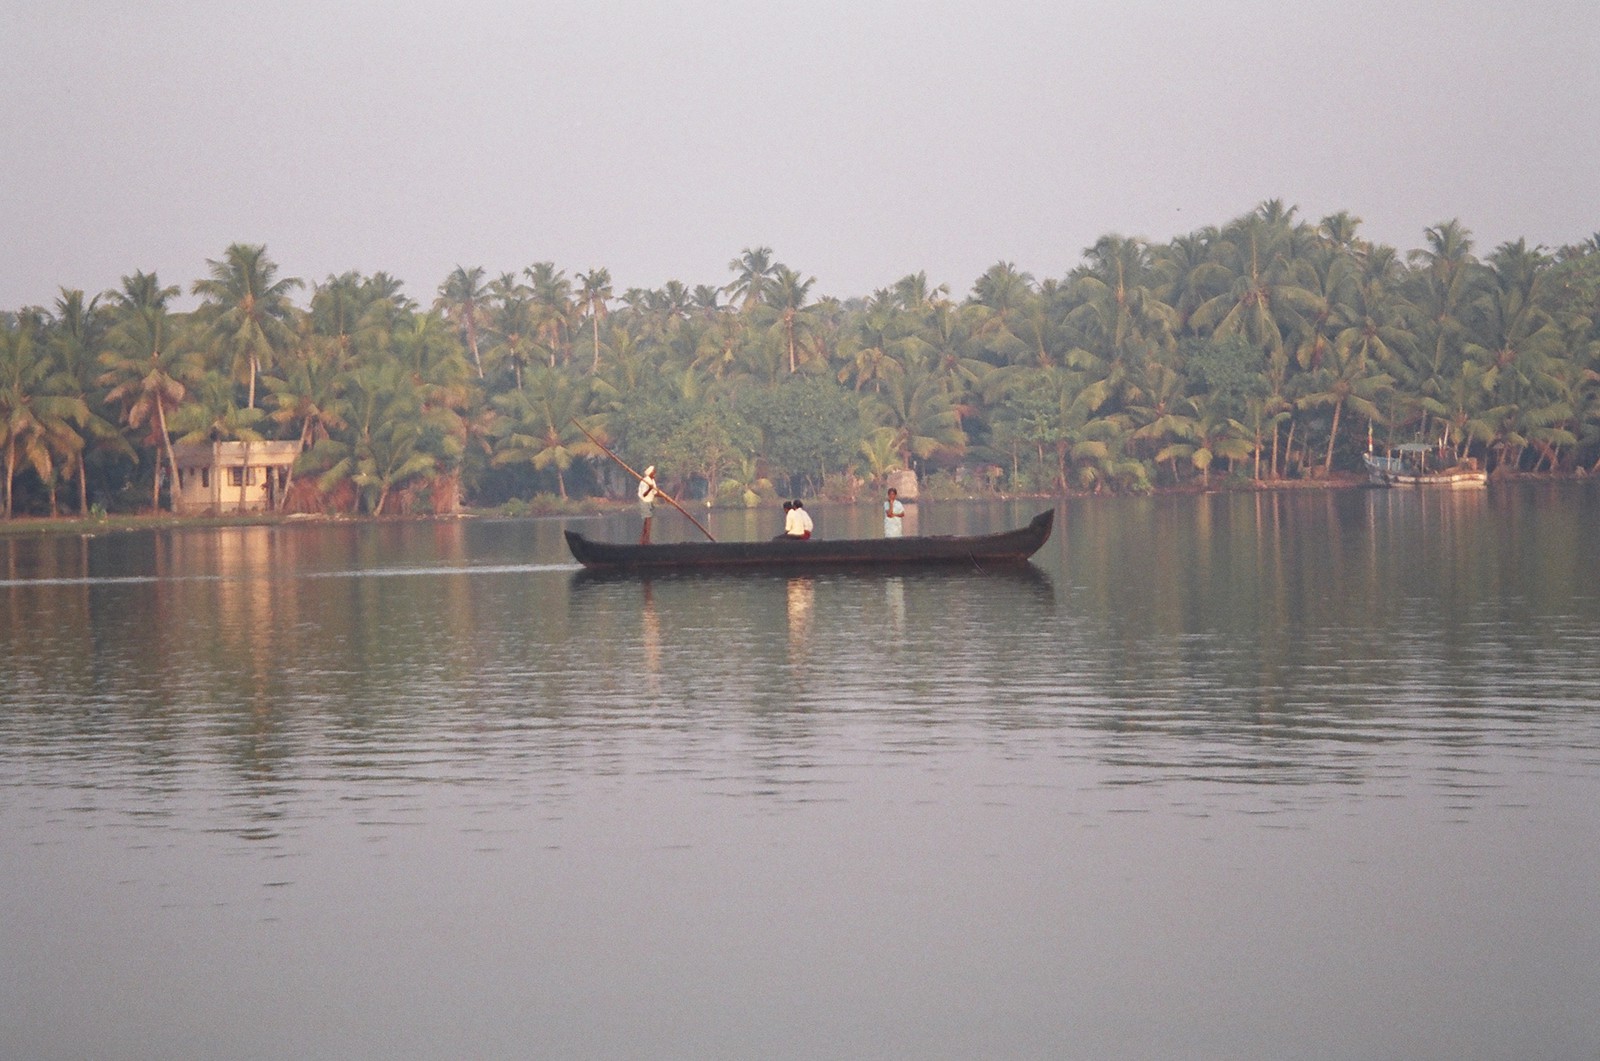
(1268, 347)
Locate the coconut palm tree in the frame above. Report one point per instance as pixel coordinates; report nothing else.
(387, 444)
(1118, 317)
(1346, 380)
(552, 309)
(39, 414)
(788, 297)
(1518, 344)
(542, 419)
(755, 274)
(1264, 299)
(512, 326)
(463, 298)
(77, 339)
(309, 396)
(148, 362)
(915, 403)
(248, 311)
(594, 291)
(999, 298)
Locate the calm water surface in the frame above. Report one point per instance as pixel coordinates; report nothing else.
(1301, 775)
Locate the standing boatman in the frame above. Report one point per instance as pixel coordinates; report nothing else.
(647, 502)
(894, 515)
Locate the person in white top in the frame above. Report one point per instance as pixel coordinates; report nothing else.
(797, 524)
(647, 502)
(894, 515)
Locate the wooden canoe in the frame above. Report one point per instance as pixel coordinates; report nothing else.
(978, 550)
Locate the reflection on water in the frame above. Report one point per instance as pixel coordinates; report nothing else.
(1013, 782)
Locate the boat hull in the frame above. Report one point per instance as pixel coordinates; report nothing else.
(1383, 471)
(982, 550)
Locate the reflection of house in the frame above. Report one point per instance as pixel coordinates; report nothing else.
(221, 477)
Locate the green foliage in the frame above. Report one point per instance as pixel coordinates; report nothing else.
(806, 425)
(1257, 348)
(1227, 369)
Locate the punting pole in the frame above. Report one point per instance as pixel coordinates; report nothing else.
(664, 495)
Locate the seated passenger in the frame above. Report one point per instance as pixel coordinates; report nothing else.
(797, 524)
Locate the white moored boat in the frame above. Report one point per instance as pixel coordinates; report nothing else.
(1419, 464)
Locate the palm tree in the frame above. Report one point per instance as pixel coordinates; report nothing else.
(1190, 273)
(1263, 299)
(552, 300)
(594, 290)
(916, 405)
(755, 274)
(875, 342)
(147, 363)
(248, 309)
(462, 297)
(543, 424)
(512, 323)
(1000, 297)
(76, 342)
(38, 412)
(387, 446)
(309, 396)
(1518, 344)
(1208, 436)
(1118, 316)
(788, 296)
(1346, 379)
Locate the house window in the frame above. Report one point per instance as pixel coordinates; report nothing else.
(205, 478)
(241, 477)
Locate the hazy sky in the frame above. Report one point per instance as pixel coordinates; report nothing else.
(860, 140)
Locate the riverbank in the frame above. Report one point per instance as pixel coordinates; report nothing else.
(118, 522)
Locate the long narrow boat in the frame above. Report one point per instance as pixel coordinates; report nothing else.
(978, 550)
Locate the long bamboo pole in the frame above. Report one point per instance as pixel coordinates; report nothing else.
(624, 464)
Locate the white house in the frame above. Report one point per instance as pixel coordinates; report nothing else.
(218, 477)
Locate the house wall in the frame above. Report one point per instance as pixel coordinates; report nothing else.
(216, 478)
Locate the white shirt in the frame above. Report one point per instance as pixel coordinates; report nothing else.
(893, 518)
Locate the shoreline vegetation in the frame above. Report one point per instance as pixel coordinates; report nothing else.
(1266, 352)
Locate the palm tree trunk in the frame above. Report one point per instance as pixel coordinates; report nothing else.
(1333, 436)
(288, 480)
(172, 463)
(83, 487)
(472, 342)
(11, 471)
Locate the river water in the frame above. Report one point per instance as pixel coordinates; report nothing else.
(1308, 775)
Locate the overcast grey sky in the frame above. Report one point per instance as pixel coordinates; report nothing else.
(860, 140)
